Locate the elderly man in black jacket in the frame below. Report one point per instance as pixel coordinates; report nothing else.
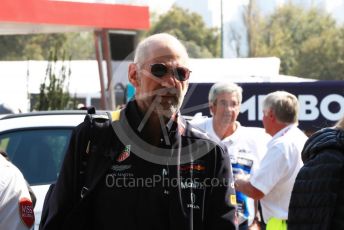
(152, 170)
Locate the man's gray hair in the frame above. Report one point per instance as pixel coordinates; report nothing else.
(284, 105)
(145, 45)
(224, 87)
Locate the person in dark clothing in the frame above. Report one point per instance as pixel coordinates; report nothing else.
(152, 170)
(317, 200)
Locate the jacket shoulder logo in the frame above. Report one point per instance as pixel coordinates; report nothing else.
(26, 212)
(124, 154)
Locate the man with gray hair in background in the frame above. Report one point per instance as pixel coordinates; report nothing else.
(272, 183)
(245, 145)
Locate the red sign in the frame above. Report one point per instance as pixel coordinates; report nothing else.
(79, 14)
(26, 212)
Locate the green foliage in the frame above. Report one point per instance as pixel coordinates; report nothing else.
(308, 42)
(80, 45)
(196, 51)
(323, 56)
(54, 94)
(39, 46)
(190, 28)
(29, 47)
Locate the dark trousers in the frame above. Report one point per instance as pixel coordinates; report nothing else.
(243, 226)
(262, 225)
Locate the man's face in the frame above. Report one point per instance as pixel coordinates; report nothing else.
(226, 108)
(163, 94)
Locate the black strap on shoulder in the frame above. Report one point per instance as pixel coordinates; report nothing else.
(98, 123)
(260, 211)
(91, 110)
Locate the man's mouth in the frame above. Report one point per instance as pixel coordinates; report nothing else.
(168, 99)
(169, 94)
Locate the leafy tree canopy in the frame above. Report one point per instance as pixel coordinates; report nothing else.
(189, 27)
(308, 42)
(54, 94)
(39, 46)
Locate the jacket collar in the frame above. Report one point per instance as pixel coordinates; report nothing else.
(327, 138)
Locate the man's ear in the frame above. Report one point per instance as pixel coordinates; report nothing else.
(211, 108)
(133, 75)
(272, 115)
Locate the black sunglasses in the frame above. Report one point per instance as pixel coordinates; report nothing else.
(180, 73)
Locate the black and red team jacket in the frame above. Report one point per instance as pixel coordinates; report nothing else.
(183, 183)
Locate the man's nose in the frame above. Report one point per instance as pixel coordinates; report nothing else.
(169, 80)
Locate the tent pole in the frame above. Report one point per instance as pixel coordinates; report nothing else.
(99, 56)
(107, 56)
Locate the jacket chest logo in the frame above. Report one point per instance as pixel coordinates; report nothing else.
(124, 154)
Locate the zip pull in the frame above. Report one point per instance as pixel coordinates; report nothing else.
(83, 192)
(88, 147)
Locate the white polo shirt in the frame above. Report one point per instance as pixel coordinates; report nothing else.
(16, 211)
(246, 147)
(278, 170)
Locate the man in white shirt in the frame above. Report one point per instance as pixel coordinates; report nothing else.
(245, 145)
(273, 181)
(16, 209)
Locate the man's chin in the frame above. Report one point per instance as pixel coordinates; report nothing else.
(167, 112)
(226, 122)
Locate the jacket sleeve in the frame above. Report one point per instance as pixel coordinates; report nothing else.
(222, 213)
(66, 192)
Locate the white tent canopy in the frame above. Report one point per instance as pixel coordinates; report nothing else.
(18, 79)
(231, 69)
